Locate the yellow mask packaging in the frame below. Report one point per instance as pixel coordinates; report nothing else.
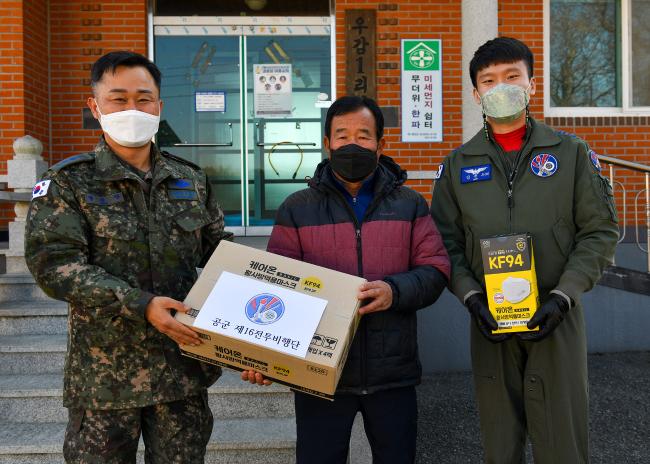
(510, 280)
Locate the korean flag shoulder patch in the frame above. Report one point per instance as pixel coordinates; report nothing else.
(40, 189)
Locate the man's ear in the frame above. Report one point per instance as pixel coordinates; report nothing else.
(533, 86)
(326, 145)
(92, 104)
(380, 146)
(477, 97)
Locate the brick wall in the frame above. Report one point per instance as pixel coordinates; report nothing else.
(82, 31)
(624, 137)
(12, 88)
(23, 80)
(36, 72)
(415, 20)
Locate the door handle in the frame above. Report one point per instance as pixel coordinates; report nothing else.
(228, 144)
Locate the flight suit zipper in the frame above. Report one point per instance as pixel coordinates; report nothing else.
(511, 173)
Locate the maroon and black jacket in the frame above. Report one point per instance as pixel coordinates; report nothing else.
(397, 241)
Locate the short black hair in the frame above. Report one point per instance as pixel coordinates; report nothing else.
(497, 51)
(350, 104)
(112, 60)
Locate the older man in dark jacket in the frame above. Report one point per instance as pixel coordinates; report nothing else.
(357, 217)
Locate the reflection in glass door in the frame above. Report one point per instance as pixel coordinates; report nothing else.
(208, 120)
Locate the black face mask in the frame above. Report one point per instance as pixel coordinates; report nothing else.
(353, 162)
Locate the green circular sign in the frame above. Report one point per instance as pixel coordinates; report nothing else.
(421, 58)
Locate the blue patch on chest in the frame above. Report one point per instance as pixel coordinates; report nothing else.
(102, 200)
(180, 184)
(182, 194)
(475, 173)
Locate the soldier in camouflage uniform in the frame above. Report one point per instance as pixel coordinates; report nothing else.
(118, 234)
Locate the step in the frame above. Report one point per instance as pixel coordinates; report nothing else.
(28, 354)
(20, 287)
(38, 398)
(35, 317)
(253, 441)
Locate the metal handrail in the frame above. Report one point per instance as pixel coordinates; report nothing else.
(626, 164)
(638, 168)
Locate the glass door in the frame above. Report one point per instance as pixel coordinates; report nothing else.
(201, 118)
(287, 134)
(260, 145)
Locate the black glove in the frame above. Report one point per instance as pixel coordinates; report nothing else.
(478, 308)
(547, 317)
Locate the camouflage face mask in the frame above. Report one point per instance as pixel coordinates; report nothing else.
(505, 102)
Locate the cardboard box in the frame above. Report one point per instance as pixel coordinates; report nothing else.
(319, 371)
(510, 281)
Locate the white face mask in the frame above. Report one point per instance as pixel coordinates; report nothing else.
(130, 128)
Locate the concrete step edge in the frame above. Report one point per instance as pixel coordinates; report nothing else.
(33, 343)
(51, 385)
(31, 308)
(227, 434)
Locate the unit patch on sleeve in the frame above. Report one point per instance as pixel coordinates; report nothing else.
(475, 173)
(593, 156)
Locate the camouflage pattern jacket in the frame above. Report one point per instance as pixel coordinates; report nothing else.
(98, 240)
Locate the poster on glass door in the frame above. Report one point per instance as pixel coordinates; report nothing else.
(272, 90)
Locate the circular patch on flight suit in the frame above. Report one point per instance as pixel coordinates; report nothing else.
(594, 160)
(544, 165)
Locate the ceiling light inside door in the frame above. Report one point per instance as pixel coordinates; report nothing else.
(255, 5)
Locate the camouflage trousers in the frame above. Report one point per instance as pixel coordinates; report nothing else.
(175, 432)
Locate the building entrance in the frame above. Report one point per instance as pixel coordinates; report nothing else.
(245, 98)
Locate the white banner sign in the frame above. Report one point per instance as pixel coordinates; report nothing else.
(261, 313)
(421, 90)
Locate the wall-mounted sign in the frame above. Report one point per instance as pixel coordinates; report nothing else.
(422, 90)
(272, 90)
(210, 101)
(360, 52)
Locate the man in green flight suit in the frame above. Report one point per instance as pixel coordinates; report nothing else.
(118, 233)
(520, 176)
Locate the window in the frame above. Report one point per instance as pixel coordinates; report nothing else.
(597, 54)
(640, 47)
